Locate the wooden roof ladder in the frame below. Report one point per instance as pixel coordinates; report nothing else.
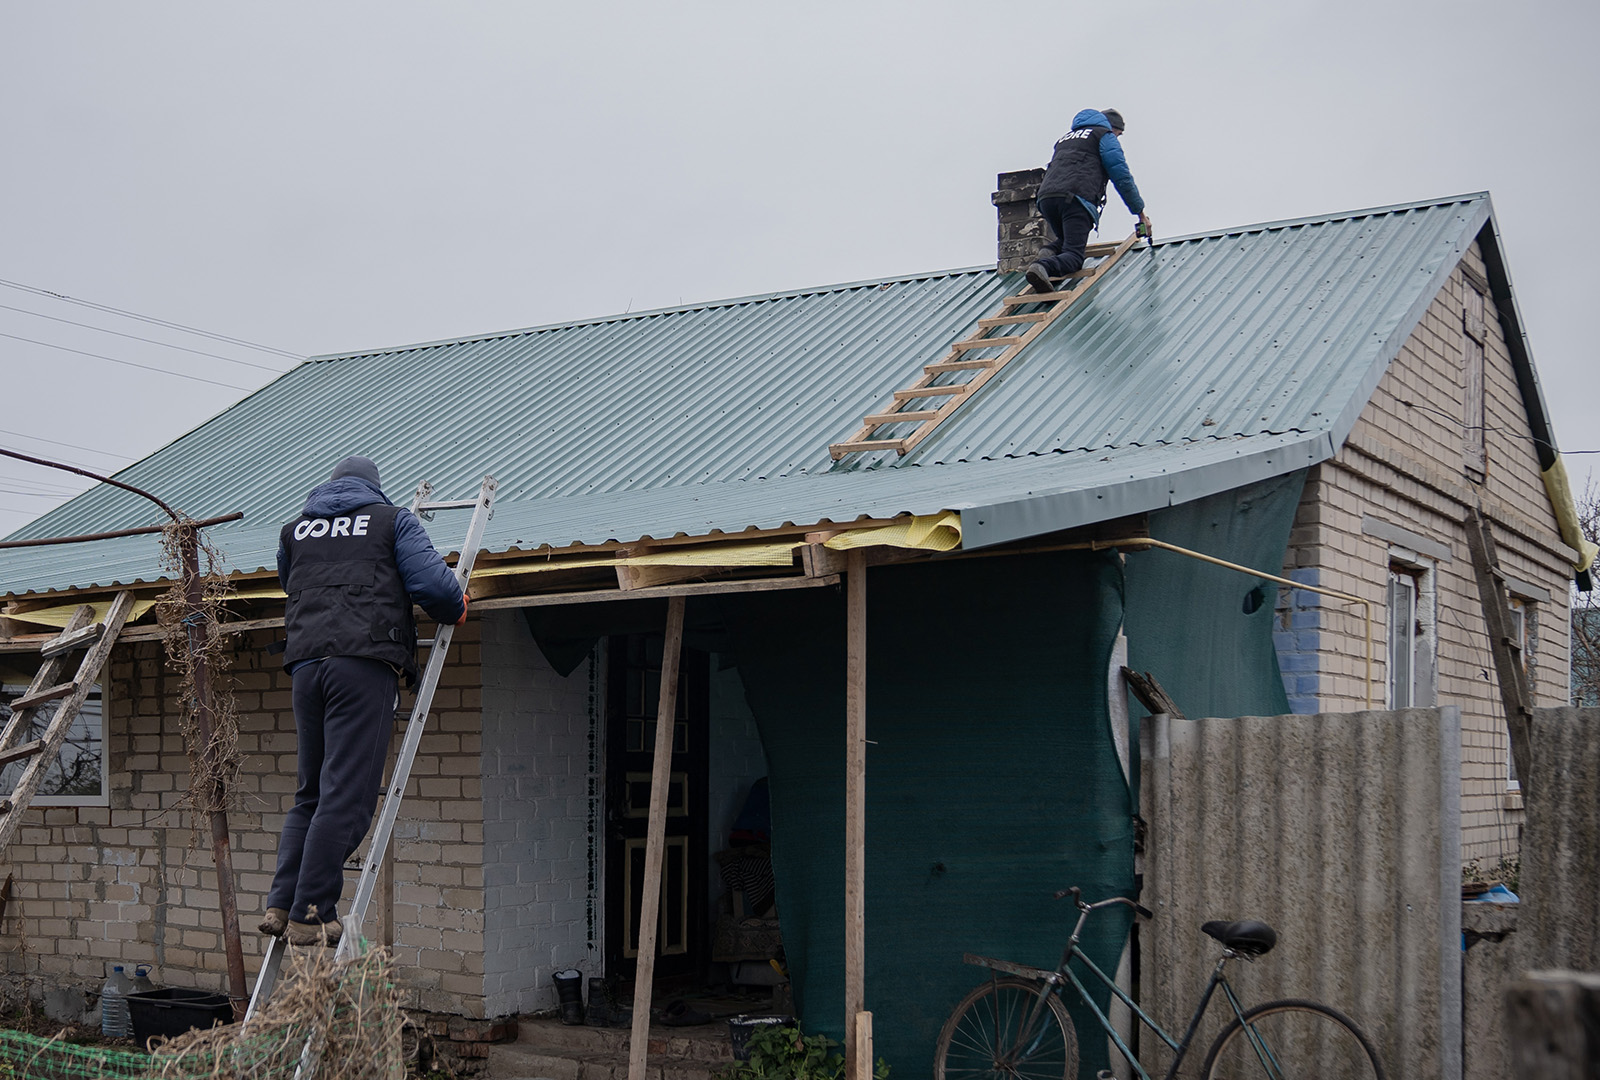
(973, 361)
(1504, 645)
(67, 698)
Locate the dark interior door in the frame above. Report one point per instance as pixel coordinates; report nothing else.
(634, 684)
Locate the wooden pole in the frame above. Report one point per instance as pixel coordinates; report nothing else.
(655, 840)
(855, 812)
(196, 626)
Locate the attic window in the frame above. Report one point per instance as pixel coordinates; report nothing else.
(1473, 412)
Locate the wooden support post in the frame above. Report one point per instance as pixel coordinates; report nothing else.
(855, 814)
(655, 840)
(863, 1044)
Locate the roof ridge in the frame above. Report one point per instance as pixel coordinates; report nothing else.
(628, 316)
(1328, 218)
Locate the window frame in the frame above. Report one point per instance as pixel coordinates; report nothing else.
(100, 692)
(1474, 375)
(1524, 614)
(1422, 629)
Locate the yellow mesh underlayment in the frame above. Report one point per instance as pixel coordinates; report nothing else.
(924, 532)
(1560, 492)
(58, 617)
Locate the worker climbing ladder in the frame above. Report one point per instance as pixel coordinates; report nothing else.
(438, 647)
(81, 632)
(972, 361)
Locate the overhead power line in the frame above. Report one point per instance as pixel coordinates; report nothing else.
(148, 318)
(127, 363)
(70, 446)
(136, 337)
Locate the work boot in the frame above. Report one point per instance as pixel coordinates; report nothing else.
(310, 933)
(275, 920)
(569, 991)
(1039, 278)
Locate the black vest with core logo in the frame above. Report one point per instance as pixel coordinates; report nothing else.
(1075, 167)
(346, 597)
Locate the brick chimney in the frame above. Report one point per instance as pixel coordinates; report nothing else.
(1022, 230)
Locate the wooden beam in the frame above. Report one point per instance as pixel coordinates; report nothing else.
(655, 840)
(1151, 694)
(39, 697)
(79, 639)
(26, 750)
(863, 1045)
(634, 578)
(985, 343)
(855, 813)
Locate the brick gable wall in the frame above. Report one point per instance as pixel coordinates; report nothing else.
(1403, 467)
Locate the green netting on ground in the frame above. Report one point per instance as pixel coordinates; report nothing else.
(347, 1013)
(35, 1057)
(1188, 622)
(343, 1019)
(992, 780)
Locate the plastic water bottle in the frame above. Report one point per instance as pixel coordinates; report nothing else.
(141, 981)
(114, 1019)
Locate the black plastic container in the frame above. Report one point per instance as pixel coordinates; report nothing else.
(741, 1027)
(174, 1010)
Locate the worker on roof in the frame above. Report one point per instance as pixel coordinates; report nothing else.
(1073, 193)
(352, 564)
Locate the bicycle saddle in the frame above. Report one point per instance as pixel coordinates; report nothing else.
(1247, 937)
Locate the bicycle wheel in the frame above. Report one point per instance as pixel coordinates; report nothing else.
(1287, 1040)
(990, 1035)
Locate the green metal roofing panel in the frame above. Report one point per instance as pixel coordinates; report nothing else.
(1217, 359)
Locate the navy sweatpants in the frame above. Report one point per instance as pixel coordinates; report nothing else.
(1070, 223)
(344, 717)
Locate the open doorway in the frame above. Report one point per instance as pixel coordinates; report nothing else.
(633, 688)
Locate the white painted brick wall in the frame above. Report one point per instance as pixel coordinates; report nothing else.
(539, 811)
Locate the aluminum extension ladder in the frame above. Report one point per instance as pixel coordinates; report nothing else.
(438, 647)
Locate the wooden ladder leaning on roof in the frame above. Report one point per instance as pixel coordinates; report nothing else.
(962, 358)
(81, 632)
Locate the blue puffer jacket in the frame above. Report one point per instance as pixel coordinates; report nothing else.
(1113, 161)
(428, 578)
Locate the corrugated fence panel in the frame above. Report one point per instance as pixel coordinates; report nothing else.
(1342, 831)
(1560, 920)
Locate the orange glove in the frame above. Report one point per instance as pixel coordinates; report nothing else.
(465, 600)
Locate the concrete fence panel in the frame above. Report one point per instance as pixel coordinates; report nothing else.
(1340, 830)
(1560, 880)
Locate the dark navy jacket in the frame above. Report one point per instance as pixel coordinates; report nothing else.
(1078, 170)
(353, 563)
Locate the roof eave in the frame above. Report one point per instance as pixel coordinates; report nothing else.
(1048, 512)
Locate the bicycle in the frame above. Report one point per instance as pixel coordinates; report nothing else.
(1017, 1026)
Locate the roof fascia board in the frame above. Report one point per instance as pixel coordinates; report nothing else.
(1000, 523)
(1390, 348)
(1511, 327)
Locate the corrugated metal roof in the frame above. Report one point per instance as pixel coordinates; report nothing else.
(1214, 358)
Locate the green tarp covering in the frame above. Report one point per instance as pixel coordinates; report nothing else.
(992, 780)
(1205, 631)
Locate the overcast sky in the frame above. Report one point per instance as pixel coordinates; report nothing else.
(331, 176)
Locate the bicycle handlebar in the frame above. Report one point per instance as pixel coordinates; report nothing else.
(1077, 898)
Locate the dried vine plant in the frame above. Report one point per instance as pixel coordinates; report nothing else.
(214, 768)
(330, 1020)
